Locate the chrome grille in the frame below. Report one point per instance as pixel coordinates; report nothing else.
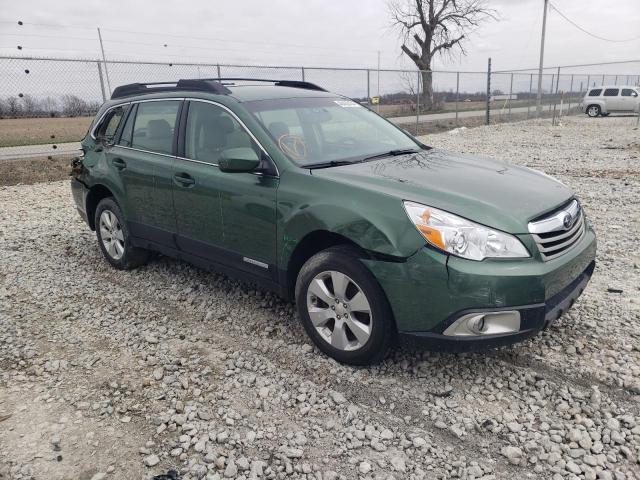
(558, 232)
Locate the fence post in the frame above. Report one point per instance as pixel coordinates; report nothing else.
(588, 82)
(218, 69)
(570, 93)
(457, 94)
(418, 104)
(510, 94)
(488, 89)
(368, 87)
(104, 96)
(555, 97)
(603, 79)
(615, 82)
(553, 77)
(302, 68)
(530, 91)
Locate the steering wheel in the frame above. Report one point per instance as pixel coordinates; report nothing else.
(293, 145)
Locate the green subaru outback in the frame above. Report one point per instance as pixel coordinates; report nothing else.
(376, 236)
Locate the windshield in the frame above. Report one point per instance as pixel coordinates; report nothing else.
(321, 130)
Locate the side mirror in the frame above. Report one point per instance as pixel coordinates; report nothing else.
(236, 160)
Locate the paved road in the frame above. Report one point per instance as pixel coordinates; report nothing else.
(26, 151)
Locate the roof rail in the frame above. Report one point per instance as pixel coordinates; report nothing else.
(278, 83)
(212, 85)
(205, 85)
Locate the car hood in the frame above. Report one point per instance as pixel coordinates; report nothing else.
(487, 191)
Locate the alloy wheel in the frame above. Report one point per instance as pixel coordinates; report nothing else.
(111, 234)
(593, 111)
(339, 310)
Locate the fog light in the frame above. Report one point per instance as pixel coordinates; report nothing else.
(476, 324)
(485, 323)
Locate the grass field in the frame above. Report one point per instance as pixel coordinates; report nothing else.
(36, 131)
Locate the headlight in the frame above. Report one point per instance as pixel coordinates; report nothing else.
(462, 237)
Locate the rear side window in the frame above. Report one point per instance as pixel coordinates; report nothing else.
(109, 125)
(595, 92)
(628, 92)
(611, 92)
(154, 125)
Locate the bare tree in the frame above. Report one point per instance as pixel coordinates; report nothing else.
(50, 106)
(13, 106)
(73, 106)
(30, 106)
(429, 28)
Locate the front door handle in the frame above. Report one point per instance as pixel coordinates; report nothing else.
(184, 179)
(119, 163)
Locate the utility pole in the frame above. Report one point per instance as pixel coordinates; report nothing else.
(104, 60)
(544, 28)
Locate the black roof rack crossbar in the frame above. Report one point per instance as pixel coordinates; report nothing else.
(279, 83)
(204, 85)
(212, 85)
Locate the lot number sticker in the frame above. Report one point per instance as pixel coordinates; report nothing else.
(346, 103)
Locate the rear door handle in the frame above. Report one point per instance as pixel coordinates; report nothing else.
(184, 179)
(119, 163)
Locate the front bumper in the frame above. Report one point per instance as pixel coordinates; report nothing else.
(534, 318)
(429, 291)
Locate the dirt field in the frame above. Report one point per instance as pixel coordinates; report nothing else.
(34, 170)
(107, 374)
(36, 131)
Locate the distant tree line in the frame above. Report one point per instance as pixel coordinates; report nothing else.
(28, 106)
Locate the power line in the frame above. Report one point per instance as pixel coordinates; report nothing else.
(569, 66)
(588, 32)
(170, 35)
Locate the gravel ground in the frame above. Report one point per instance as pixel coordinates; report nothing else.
(128, 375)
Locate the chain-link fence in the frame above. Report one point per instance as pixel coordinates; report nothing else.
(46, 104)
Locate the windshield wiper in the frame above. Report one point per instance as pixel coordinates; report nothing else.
(391, 153)
(332, 163)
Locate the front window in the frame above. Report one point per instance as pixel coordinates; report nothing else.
(319, 130)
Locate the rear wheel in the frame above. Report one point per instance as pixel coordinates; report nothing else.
(343, 308)
(593, 110)
(114, 239)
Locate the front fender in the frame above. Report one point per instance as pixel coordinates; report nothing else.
(374, 221)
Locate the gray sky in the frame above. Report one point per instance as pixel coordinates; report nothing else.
(310, 32)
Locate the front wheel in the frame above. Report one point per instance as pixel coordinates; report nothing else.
(114, 239)
(593, 111)
(343, 308)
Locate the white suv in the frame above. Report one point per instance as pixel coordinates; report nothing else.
(605, 100)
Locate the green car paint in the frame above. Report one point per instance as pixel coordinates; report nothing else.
(254, 221)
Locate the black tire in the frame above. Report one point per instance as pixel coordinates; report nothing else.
(131, 256)
(344, 259)
(593, 111)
